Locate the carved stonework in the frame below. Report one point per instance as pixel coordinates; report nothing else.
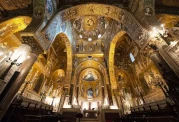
(15, 4)
(145, 13)
(173, 51)
(42, 11)
(134, 29)
(13, 25)
(30, 40)
(164, 10)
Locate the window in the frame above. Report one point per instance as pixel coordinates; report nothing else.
(132, 57)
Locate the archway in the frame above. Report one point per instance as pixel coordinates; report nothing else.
(90, 84)
(58, 76)
(99, 69)
(134, 29)
(13, 25)
(38, 83)
(91, 64)
(111, 58)
(61, 23)
(68, 50)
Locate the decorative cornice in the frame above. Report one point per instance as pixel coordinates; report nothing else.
(167, 10)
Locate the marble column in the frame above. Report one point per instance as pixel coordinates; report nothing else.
(77, 92)
(90, 106)
(71, 94)
(62, 100)
(82, 109)
(103, 97)
(170, 57)
(7, 70)
(121, 104)
(118, 101)
(99, 106)
(24, 70)
(109, 94)
(168, 75)
(162, 66)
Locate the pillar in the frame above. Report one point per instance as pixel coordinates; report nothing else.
(90, 106)
(163, 67)
(24, 70)
(77, 92)
(82, 106)
(170, 57)
(71, 94)
(118, 101)
(122, 107)
(99, 106)
(103, 97)
(61, 103)
(109, 94)
(115, 96)
(168, 75)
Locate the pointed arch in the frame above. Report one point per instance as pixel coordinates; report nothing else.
(65, 39)
(91, 64)
(111, 58)
(61, 22)
(13, 25)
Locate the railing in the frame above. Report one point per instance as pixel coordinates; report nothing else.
(157, 111)
(24, 109)
(148, 119)
(26, 103)
(153, 109)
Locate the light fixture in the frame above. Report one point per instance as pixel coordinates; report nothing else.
(173, 43)
(3, 58)
(48, 100)
(1, 53)
(160, 33)
(10, 53)
(80, 36)
(65, 50)
(89, 39)
(154, 29)
(85, 105)
(152, 33)
(99, 36)
(162, 25)
(94, 105)
(113, 107)
(20, 53)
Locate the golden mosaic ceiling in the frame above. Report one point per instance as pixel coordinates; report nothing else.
(90, 27)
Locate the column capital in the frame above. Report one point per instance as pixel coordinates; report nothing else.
(31, 41)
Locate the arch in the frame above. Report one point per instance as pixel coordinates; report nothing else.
(69, 52)
(58, 76)
(92, 64)
(129, 76)
(13, 25)
(111, 58)
(38, 83)
(89, 75)
(124, 72)
(168, 20)
(60, 22)
(92, 81)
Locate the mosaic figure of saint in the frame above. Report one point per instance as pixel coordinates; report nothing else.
(89, 76)
(90, 92)
(148, 11)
